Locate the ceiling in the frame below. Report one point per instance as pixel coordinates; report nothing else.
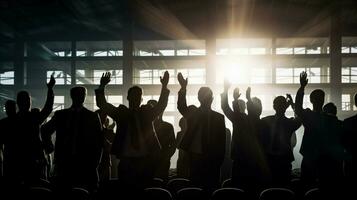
(172, 19)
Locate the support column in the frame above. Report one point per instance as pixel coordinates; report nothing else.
(211, 45)
(127, 60)
(19, 65)
(335, 58)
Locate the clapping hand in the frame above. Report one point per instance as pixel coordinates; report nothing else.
(105, 79)
(303, 79)
(165, 79)
(183, 82)
(52, 82)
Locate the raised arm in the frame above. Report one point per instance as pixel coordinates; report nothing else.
(250, 105)
(224, 101)
(47, 109)
(300, 94)
(164, 96)
(102, 103)
(181, 101)
(47, 130)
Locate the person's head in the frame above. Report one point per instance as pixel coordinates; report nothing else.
(205, 97)
(153, 103)
(23, 101)
(135, 96)
(257, 106)
(183, 124)
(330, 109)
(78, 95)
(35, 110)
(280, 104)
(239, 105)
(317, 98)
(102, 115)
(10, 108)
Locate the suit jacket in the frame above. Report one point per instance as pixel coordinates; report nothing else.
(78, 147)
(135, 135)
(208, 125)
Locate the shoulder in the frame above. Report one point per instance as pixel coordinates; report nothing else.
(350, 120)
(217, 114)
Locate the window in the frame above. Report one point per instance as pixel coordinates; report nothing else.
(58, 103)
(152, 76)
(170, 48)
(345, 49)
(195, 76)
(115, 79)
(349, 75)
(7, 78)
(47, 50)
(313, 50)
(292, 75)
(99, 48)
(284, 51)
(61, 77)
(346, 102)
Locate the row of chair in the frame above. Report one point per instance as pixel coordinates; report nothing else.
(194, 193)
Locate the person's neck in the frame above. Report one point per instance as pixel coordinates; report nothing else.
(131, 107)
(205, 107)
(77, 106)
(279, 114)
(317, 109)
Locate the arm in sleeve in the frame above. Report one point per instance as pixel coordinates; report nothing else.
(104, 105)
(46, 132)
(47, 109)
(225, 106)
(181, 102)
(162, 103)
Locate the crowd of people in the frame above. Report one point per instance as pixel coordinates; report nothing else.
(260, 149)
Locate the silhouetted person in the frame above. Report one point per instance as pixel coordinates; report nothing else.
(78, 145)
(350, 143)
(183, 160)
(6, 127)
(166, 135)
(277, 141)
(23, 150)
(311, 119)
(332, 152)
(226, 169)
(249, 168)
(104, 168)
(135, 143)
(205, 138)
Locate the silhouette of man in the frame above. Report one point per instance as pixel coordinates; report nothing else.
(311, 120)
(135, 143)
(78, 145)
(205, 138)
(332, 152)
(23, 151)
(183, 160)
(249, 165)
(6, 127)
(277, 141)
(104, 168)
(350, 143)
(166, 135)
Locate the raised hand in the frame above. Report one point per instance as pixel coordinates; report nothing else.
(247, 94)
(183, 82)
(303, 79)
(52, 82)
(105, 79)
(227, 85)
(289, 99)
(236, 93)
(165, 79)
